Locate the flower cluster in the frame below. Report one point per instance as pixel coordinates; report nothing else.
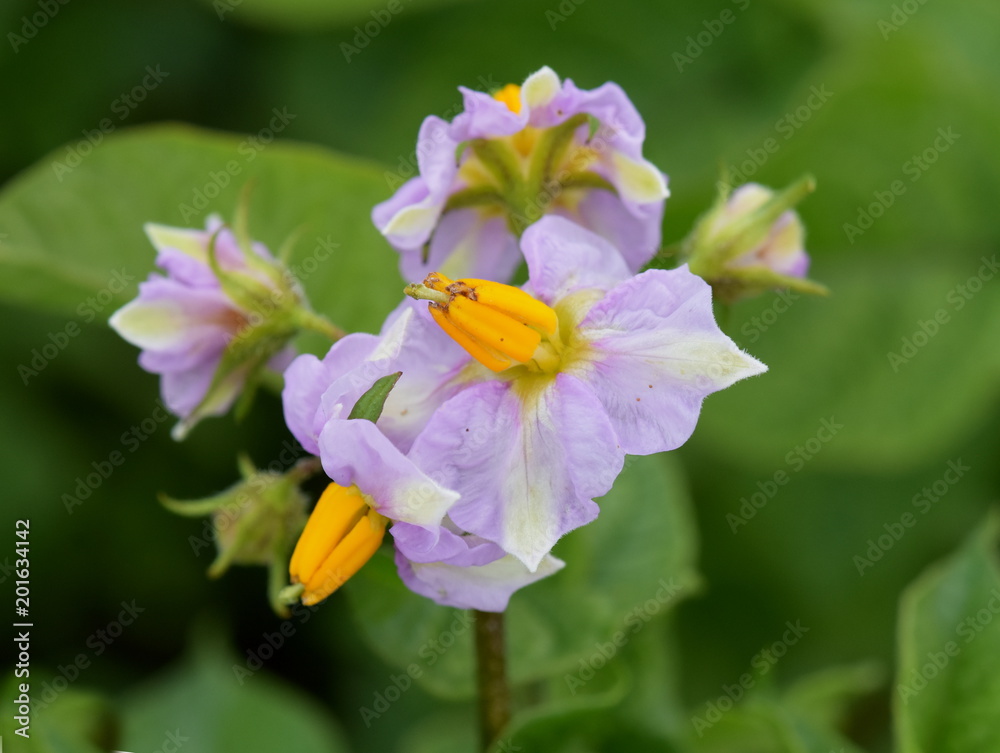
(520, 404)
(509, 409)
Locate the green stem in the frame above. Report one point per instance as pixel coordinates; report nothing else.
(305, 469)
(317, 323)
(494, 693)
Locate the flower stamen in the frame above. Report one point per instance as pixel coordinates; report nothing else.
(342, 534)
(498, 325)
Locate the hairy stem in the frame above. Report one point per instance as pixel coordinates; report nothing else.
(494, 693)
(318, 323)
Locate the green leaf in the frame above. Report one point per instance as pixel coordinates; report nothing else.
(221, 710)
(825, 697)
(75, 241)
(948, 688)
(632, 565)
(370, 404)
(73, 722)
(310, 15)
(806, 718)
(835, 359)
(558, 724)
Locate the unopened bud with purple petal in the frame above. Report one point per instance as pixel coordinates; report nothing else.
(752, 240)
(220, 315)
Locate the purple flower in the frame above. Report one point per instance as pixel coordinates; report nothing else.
(373, 484)
(440, 562)
(624, 370)
(538, 425)
(546, 147)
(195, 329)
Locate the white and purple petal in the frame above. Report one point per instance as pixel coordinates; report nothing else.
(356, 452)
(317, 392)
(308, 378)
(474, 574)
(652, 352)
(564, 258)
(633, 229)
(528, 459)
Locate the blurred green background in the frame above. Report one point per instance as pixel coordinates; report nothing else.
(714, 82)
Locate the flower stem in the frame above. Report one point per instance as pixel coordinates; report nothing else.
(317, 323)
(494, 693)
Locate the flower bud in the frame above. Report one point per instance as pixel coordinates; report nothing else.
(255, 521)
(751, 241)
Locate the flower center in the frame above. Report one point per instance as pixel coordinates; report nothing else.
(343, 533)
(527, 173)
(499, 325)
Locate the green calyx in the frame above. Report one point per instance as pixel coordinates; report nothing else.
(717, 240)
(256, 521)
(523, 187)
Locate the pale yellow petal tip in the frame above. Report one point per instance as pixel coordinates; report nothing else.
(540, 87)
(413, 220)
(147, 325)
(639, 180)
(750, 366)
(193, 243)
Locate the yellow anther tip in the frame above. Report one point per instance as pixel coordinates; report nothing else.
(342, 533)
(510, 95)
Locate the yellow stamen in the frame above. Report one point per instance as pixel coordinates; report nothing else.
(516, 303)
(496, 329)
(498, 325)
(342, 534)
(486, 356)
(525, 139)
(510, 95)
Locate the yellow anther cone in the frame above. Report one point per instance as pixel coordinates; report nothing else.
(342, 534)
(510, 95)
(498, 325)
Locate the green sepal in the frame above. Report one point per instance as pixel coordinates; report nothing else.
(499, 160)
(741, 282)
(473, 197)
(257, 521)
(370, 404)
(550, 150)
(588, 179)
(193, 508)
